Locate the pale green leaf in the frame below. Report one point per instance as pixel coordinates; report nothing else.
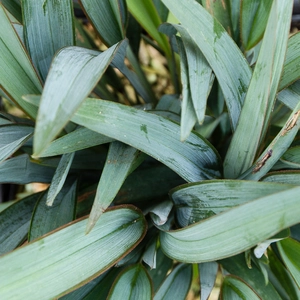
(291, 64)
(292, 157)
(73, 74)
(78, 139)
(260, 96)
(146, 14)
(234, 230)
(106, 17)
(120, 160)
(254, 17)
(196, 201)
(149, 256)
(59, 177)
(208, 274)
(233, 288)
(176, 285)
(46, 218)
(17, 75)
(222, 54)
(132, 283)
(48, 26)
(14, 7)
(291, 177)
(12, 137)
(66, 259)
(15, 222)
(290, 95)
(290, 252)
(193, 160)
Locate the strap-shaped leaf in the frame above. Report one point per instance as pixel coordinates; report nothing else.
(132, 283)
(197, 201)
(48, 26)
(15, 222)
(291, 177)
(120, 161)
(81, 138)
(146, 14)
(193, 160)
(17, 75)
(254, 17)
(59, 177)
(261, 94)
(234, 230)
(65, 259)
(290, 252)
(208, 274)
(21, 170)
(290, 70)
(12, 137)
(74, 73)
(237, 266)
(108, 17)
(14, 7)
(223, 55)
(290, 95)
(234, 288)
(292, 157)
(177, 284)
(46, 219)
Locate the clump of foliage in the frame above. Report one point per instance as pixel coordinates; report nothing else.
(202, 183)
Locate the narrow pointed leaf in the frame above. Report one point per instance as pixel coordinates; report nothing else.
(146, 14)
(81, 138)
(254, 17)
(220, 51)
(119, 162)
(290, 69)
(149, 256)
(59, 177)
(290, 252)
(290, 95)
(46, 219)
(234, 288)
(74, 73)
(260, 96)
(237, 266)
(12, 137)
(208, 274)
(21, 170)
(132, 283)
(106, 19)
(17, 75)
(193, 160)
(177, 284)
(291, 177)
(66, 259)
(292, 157)
(234, 230)
(42, 23)
(15, 222)
(188, 114)
(197, 201)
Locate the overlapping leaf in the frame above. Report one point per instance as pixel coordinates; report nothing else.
(70, 255)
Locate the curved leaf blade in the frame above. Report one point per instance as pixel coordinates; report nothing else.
(290, 252)
(222, 54)
(17, 75)
(197, 201)
(132, 283)
(43, 20)
(177, 284)
(234, 230)
(66, 254)
(208, 274)
(73, 74)
(194, 160)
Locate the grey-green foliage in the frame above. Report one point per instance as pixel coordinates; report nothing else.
(166, 185)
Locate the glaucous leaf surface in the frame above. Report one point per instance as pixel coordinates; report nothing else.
(70, 255)
(222, 54)
(132, 283)
(48, 26)
(194, 160)
(234, 230)
(14, 7)
(208, 274)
